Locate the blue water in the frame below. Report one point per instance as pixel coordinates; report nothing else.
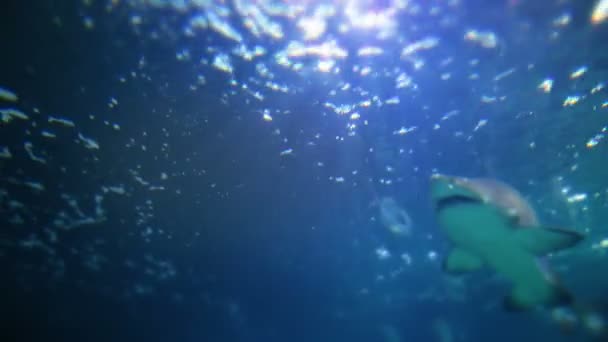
(209, 171)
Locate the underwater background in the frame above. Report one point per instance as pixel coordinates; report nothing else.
(194, 170)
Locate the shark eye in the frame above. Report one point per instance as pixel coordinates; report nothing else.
(456, 200)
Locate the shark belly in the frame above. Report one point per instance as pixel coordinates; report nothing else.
(483, 232)
(530, 284)
(475, 228)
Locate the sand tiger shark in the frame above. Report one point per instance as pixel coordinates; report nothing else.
(490, 224)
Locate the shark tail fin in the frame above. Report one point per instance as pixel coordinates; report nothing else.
(560, 297)
(556, 296)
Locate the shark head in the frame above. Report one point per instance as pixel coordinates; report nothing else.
(447, 191)
(490, 224)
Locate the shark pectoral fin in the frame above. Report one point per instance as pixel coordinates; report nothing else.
(459, 261)
(541, 241)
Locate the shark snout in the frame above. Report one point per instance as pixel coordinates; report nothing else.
(450, 181)
(441, 185)
(439, 180)
(453, 180)
(438, 176)
(445, 186)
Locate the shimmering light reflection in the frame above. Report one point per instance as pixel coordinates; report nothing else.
(370, 51)
(600, 12)
(324, 50)
(258, 22)
(312, 27)
(326, 65)
(382, 19)
(418, 79)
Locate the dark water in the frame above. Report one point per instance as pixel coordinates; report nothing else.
(155, 192)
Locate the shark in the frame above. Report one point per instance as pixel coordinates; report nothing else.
(490, 225)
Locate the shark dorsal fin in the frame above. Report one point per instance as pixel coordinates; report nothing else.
(544, 240)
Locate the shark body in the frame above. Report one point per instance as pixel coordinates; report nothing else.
(489, 224)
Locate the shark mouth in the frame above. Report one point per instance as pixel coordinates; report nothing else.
(454, 201)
